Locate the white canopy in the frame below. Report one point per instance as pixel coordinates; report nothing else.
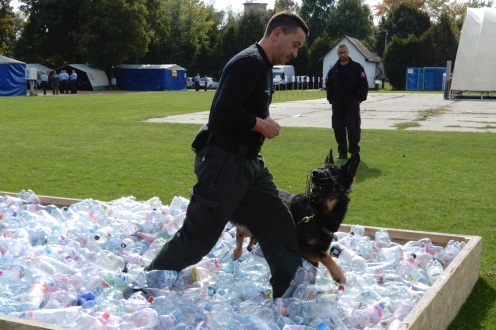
(475, 65)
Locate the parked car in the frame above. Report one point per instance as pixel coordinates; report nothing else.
(211, 84)
(190, 82)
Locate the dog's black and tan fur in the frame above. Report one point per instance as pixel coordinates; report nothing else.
(317, 213)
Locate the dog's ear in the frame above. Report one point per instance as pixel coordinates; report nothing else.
(351, 165)
(329, 158)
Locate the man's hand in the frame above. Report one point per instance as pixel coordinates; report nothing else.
(268, 127)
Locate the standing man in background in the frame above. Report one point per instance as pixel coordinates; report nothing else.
(346, 88)
(64, 80)
(233, 179)
(197, 82)
(55, 83)
(73, 82)
(44, 82)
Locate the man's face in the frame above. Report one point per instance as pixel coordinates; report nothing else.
(343, 54)
(287, 45)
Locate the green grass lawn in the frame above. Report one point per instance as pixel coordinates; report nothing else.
(96, 146)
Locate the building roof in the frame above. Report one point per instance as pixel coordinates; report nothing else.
(367, 54)
(5, 60)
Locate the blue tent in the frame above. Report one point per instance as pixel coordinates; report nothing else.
(151, 77)
(12, 77)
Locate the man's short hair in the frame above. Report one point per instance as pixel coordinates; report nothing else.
(288, 21)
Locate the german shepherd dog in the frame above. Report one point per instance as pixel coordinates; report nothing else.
(317, 213)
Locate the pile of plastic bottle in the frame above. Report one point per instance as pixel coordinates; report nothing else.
(82, 267)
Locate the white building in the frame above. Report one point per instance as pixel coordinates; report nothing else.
(358, 53)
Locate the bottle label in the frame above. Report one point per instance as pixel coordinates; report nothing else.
(336, 250)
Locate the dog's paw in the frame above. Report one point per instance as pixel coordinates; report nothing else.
(338, 275)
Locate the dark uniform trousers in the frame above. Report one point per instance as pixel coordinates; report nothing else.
(346, 120)
(233, 185)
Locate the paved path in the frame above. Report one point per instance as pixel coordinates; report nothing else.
(429, 112)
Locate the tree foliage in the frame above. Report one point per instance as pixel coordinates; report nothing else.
(400, 54)
(439, 44)
(123, 32)
(7, 27)
(403, 20)
(51, 32)
(352, 18)
(318, 15)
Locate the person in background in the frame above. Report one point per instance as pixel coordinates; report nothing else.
(232, 177)
(197, 82)
(64, 82)
(55, 83)
(44, 82)
(346, 88)
(205, 79)
(73, 82)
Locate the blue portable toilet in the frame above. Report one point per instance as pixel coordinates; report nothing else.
(433, 78)
(414, 79)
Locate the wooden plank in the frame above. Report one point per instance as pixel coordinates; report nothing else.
(13, 323)
(48, 200)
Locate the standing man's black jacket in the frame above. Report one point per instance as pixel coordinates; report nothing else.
(347, 81)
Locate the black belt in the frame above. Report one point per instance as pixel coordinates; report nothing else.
(240, 150)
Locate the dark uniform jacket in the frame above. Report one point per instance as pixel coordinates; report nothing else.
(244, 93)
(347, 81)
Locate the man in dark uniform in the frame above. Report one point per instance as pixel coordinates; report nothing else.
(346, 88)
(233, 180)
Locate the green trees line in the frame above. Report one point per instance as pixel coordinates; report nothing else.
(195, 35)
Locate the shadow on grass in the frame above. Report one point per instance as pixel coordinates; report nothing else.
(478, 304)
(365, 172)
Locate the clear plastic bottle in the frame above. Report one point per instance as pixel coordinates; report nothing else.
(11, 274)
(102, 234)
(178, 205)
(188, 276)
(36, 295)
(382, 238)
(434, 270)
(391, 254)
(4, 247)
(307, 291)
(160, 278)
(369, 315)
(409, 270)
(450, 252)
(423, 258)
(146, 318)
(348, 258)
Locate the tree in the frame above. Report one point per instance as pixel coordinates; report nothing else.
(7, 27)
(439, 44)
(352, 18)
(319, 49)
(281, 5)
(387, 6)
(189, 25)
(51, 32)
(122, 33)
(317, 14)
(400, 54)
(403, 20)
